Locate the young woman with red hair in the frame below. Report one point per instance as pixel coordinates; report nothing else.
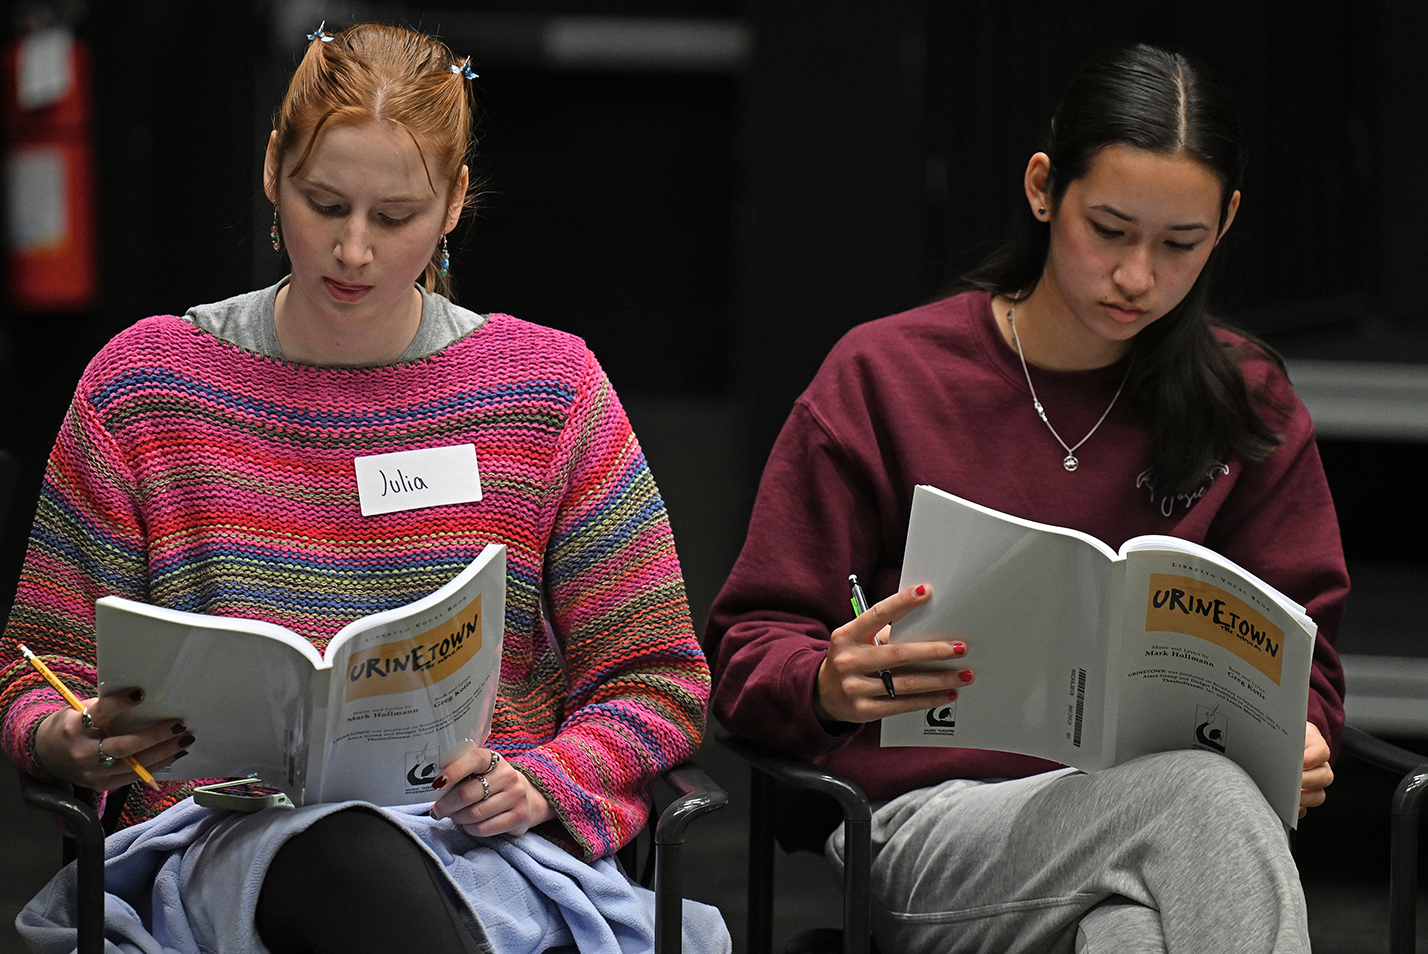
(206, 464)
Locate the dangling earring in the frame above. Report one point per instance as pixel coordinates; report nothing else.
(444, 263)
(273, 232)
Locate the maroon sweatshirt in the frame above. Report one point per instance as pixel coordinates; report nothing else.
(936, 396)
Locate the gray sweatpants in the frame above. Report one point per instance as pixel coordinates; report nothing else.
(1175, 852)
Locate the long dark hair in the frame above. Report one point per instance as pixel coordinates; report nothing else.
(1186, 382)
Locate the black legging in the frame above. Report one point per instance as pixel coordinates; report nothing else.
(354, 882)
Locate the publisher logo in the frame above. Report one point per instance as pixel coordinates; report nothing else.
(1210, 729)
(943, 717)
(421, 769)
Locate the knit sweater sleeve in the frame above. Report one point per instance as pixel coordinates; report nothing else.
(638, 681)
(87, 541)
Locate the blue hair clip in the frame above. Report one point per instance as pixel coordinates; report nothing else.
(319, 35)
(464, 69)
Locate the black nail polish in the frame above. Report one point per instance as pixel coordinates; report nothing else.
(180, 729)
(136, 695)
(186, 741)
(180, 755)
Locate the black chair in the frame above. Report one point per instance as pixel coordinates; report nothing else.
(1404, 810)
(781, 809)
(695, 795)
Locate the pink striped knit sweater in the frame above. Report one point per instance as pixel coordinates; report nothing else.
(192, 474)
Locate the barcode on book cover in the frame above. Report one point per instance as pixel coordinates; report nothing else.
(1080, 707)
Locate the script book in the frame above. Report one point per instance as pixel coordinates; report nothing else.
(1090, 657)
(397, 695)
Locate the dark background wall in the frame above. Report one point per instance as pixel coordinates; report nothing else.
(713, 226)
(712, 230)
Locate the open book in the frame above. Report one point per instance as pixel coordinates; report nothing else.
(397, 695)
(1089, 657)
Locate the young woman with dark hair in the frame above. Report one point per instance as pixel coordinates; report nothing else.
(1075, 379)
(206, 464)
(1185, 379)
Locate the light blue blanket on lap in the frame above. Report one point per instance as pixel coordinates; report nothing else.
(187, 882)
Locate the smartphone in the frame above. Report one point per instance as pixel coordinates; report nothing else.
(240, 795)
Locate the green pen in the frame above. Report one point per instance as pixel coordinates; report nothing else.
(860, 606)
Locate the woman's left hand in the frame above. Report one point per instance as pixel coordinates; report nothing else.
(1317, 773)
(507, 804)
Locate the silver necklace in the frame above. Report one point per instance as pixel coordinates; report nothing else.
(1069, 462)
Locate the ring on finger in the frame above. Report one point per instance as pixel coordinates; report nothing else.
(485, 788)
(105, 761)
(86, 720)
(495, 757)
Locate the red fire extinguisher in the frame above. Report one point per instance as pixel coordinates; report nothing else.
(51, 251)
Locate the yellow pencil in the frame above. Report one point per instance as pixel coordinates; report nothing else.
(74, 702)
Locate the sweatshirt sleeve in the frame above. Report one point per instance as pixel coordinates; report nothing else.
(814, 521)
(87, 541)
(1280, 522)
(638, 681)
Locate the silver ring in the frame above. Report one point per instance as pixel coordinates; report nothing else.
(485, 788)
(495, 757)
(105, 761)
(86, 720)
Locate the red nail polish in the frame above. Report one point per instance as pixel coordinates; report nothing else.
(921, 589)
(965, 675)
(959, 648)
(952, 696)
(439, 783)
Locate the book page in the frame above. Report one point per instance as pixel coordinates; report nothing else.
(241, 686)
(411, 689)
(1210, 660)
(1033, 604)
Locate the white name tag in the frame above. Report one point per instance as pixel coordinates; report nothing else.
(411, 480)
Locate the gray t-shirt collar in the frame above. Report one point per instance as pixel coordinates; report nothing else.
(248, 321)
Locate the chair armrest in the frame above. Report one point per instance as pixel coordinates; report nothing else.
(1403, 829)
(81, 819)
(770, 766)
(802, 774)
(84, 825)
(1385, 755)
(696, 795)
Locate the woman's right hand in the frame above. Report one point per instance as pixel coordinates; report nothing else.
(849, 687)
(69, 751)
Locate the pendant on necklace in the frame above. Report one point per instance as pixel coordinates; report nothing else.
(1070, 463)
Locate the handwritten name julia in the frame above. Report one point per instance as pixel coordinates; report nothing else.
(401, 483)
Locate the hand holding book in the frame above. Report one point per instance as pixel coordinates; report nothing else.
(76, 752)
(486, 796)
(396, 694)
(1318, 775)
(849, 687)
(1097, 655)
